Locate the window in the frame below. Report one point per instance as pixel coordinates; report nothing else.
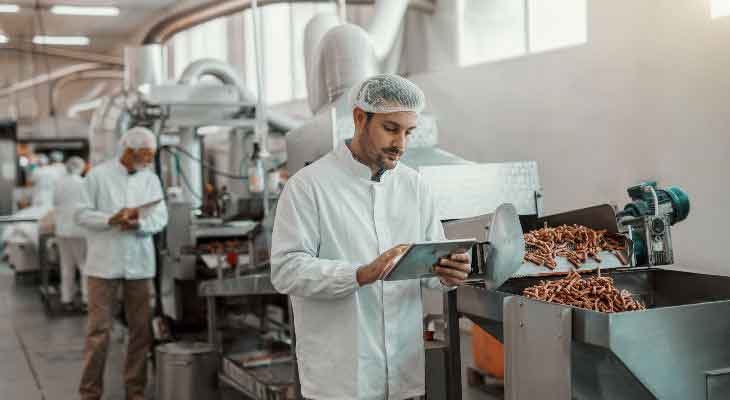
(498, 29)
(282, 33)
(493, 29)
(719, 8)
(231, 39)
(209, 40)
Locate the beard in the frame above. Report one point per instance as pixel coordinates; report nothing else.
(380, 157)
(389, 157)
(140, 166)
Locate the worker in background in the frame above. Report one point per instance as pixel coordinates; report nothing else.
(67, 197)
(57, 164)
(339, 225)
(44, 179)
(121, 255)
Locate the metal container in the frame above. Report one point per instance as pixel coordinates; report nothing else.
(672, 350)
(676, 349)
(187, 371)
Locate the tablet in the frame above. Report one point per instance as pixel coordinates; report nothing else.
(418, 261)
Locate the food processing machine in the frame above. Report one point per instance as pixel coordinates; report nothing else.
(678, 348)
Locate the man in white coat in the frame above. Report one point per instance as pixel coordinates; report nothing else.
(121, 254)
(67, 197)
(339, 225)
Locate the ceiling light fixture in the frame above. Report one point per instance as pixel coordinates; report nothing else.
(9, 8)
(82, 10)
(61, 40)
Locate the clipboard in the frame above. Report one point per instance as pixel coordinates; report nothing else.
(419, 260)
(148, 204)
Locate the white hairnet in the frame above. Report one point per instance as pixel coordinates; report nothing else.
(75, 165)
(42, 159)
(387, 93)
(138, 138)
(56, 156)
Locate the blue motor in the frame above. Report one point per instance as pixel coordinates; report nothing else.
(671, 201)
(648, 218)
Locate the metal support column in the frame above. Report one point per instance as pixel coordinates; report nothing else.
(453, 367)
(212, 322)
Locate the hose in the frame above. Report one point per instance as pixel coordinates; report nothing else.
(205, 165)
(185, 180)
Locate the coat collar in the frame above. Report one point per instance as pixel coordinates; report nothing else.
(360, 170)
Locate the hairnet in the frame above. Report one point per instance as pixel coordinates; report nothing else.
(56, 156)
(75, 165)
(42, 159)
(138, 138)
(387, 94)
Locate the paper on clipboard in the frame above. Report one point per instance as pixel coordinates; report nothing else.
(144, 208)
(148, 205)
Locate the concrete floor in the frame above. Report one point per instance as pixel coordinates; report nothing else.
(41, 356)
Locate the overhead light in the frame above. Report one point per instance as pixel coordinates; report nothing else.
(9, 8)
(61, 40)
(80, 10)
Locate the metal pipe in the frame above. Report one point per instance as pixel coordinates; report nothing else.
(167, 27)
(342, 11)
(65, 53)
(385, 24)
(261, 131)
(45, 78)
(78, 108)
(79, 76)
(228, 75)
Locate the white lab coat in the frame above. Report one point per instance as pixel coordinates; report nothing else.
(111, 252)
(44, 182)
(353, 342)
(67, 196)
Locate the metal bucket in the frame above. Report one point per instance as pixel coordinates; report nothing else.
(187, 371)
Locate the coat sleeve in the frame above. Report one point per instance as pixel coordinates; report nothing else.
(295, 267)
(434, 230)
(154, 219)
(87, 214)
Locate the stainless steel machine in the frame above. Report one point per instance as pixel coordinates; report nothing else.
(213, 256)
(678, 348)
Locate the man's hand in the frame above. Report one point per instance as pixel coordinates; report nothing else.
(130, 225)
(454, 270)
(124, 216)
(375, 270)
